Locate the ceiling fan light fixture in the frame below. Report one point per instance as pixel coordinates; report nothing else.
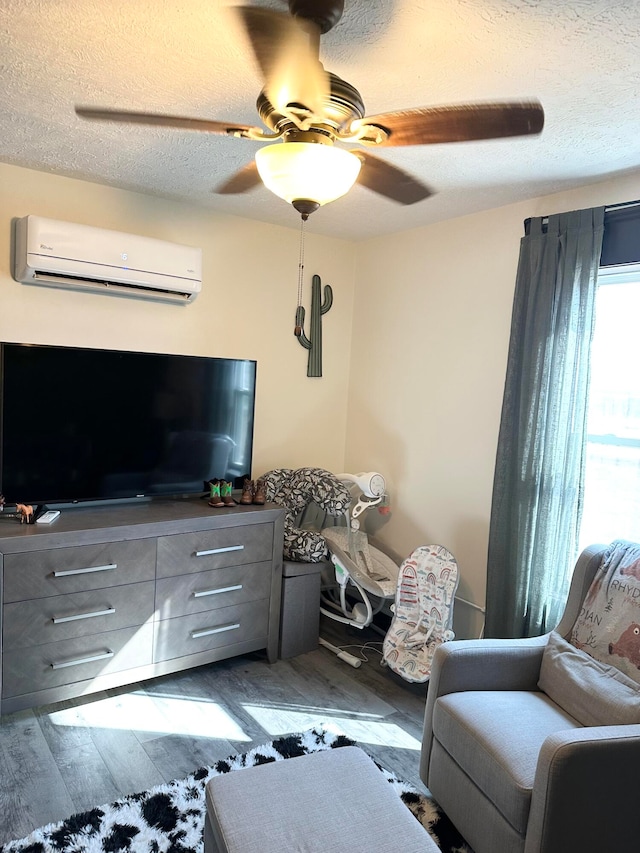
(309, 171)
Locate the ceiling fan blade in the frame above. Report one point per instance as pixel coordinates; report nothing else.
(159, 120)
(389, 181)
(243, 181)
(431, 125)
(287, 50)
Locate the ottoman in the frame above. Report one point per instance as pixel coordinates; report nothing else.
(333, 800)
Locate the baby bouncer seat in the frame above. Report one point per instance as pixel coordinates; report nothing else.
(423, 612)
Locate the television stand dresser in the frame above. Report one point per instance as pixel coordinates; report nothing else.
(111, 595)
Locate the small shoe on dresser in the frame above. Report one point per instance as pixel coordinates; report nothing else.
(225, 493)
(260, 493)
(215, 498)
(247, 492)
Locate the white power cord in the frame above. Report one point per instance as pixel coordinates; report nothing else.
(352, 660)
(347, 657)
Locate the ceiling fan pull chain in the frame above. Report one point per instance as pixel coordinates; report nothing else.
(298, 327)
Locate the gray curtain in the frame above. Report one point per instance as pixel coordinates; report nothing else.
(537, 490)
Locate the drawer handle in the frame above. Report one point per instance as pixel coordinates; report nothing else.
(58, 619)
(216, 591)
(85, 571)
(219, 550)
(206, 631)
(78, 661)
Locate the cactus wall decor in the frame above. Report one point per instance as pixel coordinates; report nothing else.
(313, 343)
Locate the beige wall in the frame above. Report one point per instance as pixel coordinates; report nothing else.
(429, 348)
(415, 345)
(246, 308)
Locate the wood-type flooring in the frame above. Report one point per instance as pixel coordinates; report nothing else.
(60, 759)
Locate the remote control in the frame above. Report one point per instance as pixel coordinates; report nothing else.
(48, 516)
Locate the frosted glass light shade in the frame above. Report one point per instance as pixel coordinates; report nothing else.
(307, 170)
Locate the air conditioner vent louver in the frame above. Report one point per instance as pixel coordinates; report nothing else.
(52, 278)
(70, 256)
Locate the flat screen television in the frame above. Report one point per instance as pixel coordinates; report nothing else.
(82, 424)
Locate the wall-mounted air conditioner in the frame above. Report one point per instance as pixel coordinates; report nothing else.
(81, 257)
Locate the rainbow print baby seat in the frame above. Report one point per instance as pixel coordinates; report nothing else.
(423, 611)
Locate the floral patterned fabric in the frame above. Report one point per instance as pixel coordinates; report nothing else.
(295, 490)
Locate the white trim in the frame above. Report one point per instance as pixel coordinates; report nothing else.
(621, 274)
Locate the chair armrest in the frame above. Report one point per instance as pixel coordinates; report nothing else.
(586, 792)
(487, 665)
(462, 665)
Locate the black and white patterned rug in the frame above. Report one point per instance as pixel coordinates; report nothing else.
(170, 818)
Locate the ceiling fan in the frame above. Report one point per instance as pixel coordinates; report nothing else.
(307, 110)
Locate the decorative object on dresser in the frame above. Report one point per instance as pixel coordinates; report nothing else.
(116, 594)
(26, 513)
(253, 492)
(23, 512)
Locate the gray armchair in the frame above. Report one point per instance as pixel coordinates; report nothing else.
(513, 770)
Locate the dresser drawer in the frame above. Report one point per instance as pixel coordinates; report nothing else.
(78, 614)
(197, 592)
(187, 635)
(83, 658)
(36, 574)
(212, 549)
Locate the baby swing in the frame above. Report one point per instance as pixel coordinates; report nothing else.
(423, 587)
(420, 593)
(355, 561)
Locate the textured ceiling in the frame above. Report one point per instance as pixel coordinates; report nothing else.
(580, 58)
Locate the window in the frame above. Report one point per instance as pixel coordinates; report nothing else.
(612, 476)
(242, 415)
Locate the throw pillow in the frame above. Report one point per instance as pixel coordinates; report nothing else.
(608, 627)
(593, 693)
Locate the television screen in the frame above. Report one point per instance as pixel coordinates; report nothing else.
(87, 424)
